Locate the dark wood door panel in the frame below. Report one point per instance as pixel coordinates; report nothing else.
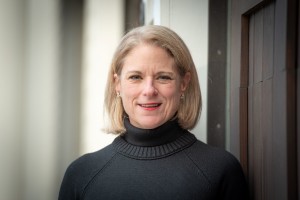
(267, 130)
(255, 140)
(265, 76)
(268, 42)
(258, 27)
(298, 101)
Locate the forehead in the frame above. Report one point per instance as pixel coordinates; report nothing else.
(151, 57)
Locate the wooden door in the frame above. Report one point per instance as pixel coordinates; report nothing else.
(263, 95)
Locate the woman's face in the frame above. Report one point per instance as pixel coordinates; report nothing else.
(150, 86)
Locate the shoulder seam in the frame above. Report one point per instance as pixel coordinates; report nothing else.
(200, 170)
(96, 174)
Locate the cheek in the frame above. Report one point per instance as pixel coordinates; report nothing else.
(172, 97)
(129, 90)
(129, 94)
(171, 92)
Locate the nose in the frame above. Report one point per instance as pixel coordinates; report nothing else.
(149, 88)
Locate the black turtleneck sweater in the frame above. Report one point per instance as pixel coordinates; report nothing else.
(165, 163)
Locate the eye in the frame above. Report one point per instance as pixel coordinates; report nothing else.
(135, 77)
(164, 77)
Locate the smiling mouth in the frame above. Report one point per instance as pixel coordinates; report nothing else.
(150, 105)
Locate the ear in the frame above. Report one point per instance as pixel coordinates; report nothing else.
(117, 82)
(185, 81)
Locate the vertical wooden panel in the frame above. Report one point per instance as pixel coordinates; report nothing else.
(258, 45)
(255, 135)
(279, 140)
(257, 140)
(267, 75)
(291, 58)
(251, 144)
(267, 155)
(298, 101)
(251, 51)
(268, 42)
(280, 35)
(243, 92)
(242, 119)
(244, 59)
(291, 134)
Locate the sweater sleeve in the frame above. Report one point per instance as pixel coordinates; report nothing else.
(69, 188)
(233, 185)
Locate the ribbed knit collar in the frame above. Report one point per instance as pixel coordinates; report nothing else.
(153, 143)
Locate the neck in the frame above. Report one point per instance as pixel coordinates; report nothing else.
(163, 134)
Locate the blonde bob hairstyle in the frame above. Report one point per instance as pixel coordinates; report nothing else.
(190, 107)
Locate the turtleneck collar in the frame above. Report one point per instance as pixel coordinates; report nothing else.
(163, 134)
(154, 143)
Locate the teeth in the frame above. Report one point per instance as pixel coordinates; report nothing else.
(149, 105)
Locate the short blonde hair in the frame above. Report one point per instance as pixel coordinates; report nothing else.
(190, 108)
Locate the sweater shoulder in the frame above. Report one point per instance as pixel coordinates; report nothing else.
(221, 168)
(215, 163)
(91, 162)
(82, 171)
(201, 152)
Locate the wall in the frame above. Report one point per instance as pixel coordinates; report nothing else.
(101, 38)
(40, 96)
(29, 104)
(40, 50)
(11, 81)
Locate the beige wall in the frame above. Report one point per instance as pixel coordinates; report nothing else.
(29, 73)
(104, 27)
(11, 90)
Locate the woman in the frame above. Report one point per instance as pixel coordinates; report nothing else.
(153, 98)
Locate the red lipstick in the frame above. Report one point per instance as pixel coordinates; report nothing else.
(150, 106)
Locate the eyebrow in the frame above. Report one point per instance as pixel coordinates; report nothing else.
(169, 73)
(160, 72)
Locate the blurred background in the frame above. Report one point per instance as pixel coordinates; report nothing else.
(55, 56)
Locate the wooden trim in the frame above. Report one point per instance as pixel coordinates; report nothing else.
(250, 6)
(244, 82)
(298, 101)
(244, 129)
(291, 66)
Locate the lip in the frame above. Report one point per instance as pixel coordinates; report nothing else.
(150, 106)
